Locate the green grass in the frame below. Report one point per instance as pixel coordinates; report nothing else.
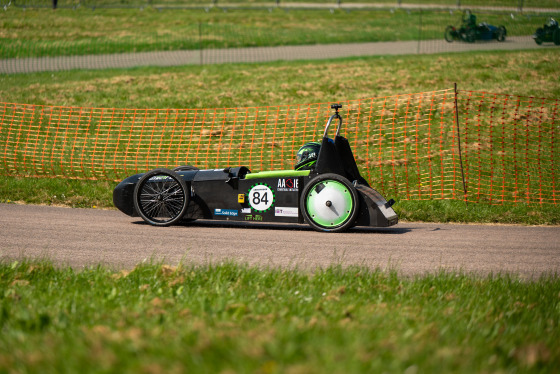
(57, 192)
(531, 73)
(236, 318)
(41, 32)
(458, 211)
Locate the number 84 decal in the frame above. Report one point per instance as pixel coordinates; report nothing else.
(261, 197)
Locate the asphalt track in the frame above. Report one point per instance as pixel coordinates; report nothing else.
(260, 54)
(88, 237)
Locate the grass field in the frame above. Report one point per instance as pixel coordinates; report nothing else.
(531, 73)
(38, 32)
(233, 318)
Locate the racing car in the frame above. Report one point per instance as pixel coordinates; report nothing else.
(470, 31)
(325, 190)
(550, 32)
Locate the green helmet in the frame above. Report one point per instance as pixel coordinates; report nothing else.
(307, 156)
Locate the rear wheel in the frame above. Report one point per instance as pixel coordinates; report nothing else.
(501, 34)
(449, 34)
(329, 203)
(161, 197)
(556, 37)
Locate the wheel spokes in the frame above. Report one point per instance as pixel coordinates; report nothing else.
(161, 201)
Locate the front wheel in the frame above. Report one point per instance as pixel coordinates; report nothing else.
(449, 34)
(537, 36)
(470, 35)
(329, 203)
(161, 197)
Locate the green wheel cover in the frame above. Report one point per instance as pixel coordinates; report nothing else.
(341, 210)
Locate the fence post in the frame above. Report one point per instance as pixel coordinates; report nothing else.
(459, 142)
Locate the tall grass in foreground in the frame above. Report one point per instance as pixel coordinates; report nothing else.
(236, 318)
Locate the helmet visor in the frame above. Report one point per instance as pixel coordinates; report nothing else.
(305, 153)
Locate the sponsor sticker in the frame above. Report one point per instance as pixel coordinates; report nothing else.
(246, 210)
(254, 217)
(226, 212)
(156, 178)
(287, 185)
(286, 211)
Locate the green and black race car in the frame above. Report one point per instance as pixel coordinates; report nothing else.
(471, 31)
(325, 190)
(550, 32)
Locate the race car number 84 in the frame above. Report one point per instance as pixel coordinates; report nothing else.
(261, 197)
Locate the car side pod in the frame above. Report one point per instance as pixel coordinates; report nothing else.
(376, 211)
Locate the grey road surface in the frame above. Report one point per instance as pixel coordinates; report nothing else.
(260, 54)
(87, 237)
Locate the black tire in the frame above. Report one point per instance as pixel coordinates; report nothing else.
(556, 37)
(501, 34)
(449, 34)
(503, 28)
(161, 197)
(185, 168)
(320, 212)
(470, 35)
(537, 36)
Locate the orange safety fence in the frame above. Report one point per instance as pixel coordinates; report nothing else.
(511, 148)
(504, 148)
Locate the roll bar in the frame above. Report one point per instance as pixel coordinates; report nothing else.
(336, 107)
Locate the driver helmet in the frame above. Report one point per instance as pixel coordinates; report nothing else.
(552, 22)
(307, 156)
